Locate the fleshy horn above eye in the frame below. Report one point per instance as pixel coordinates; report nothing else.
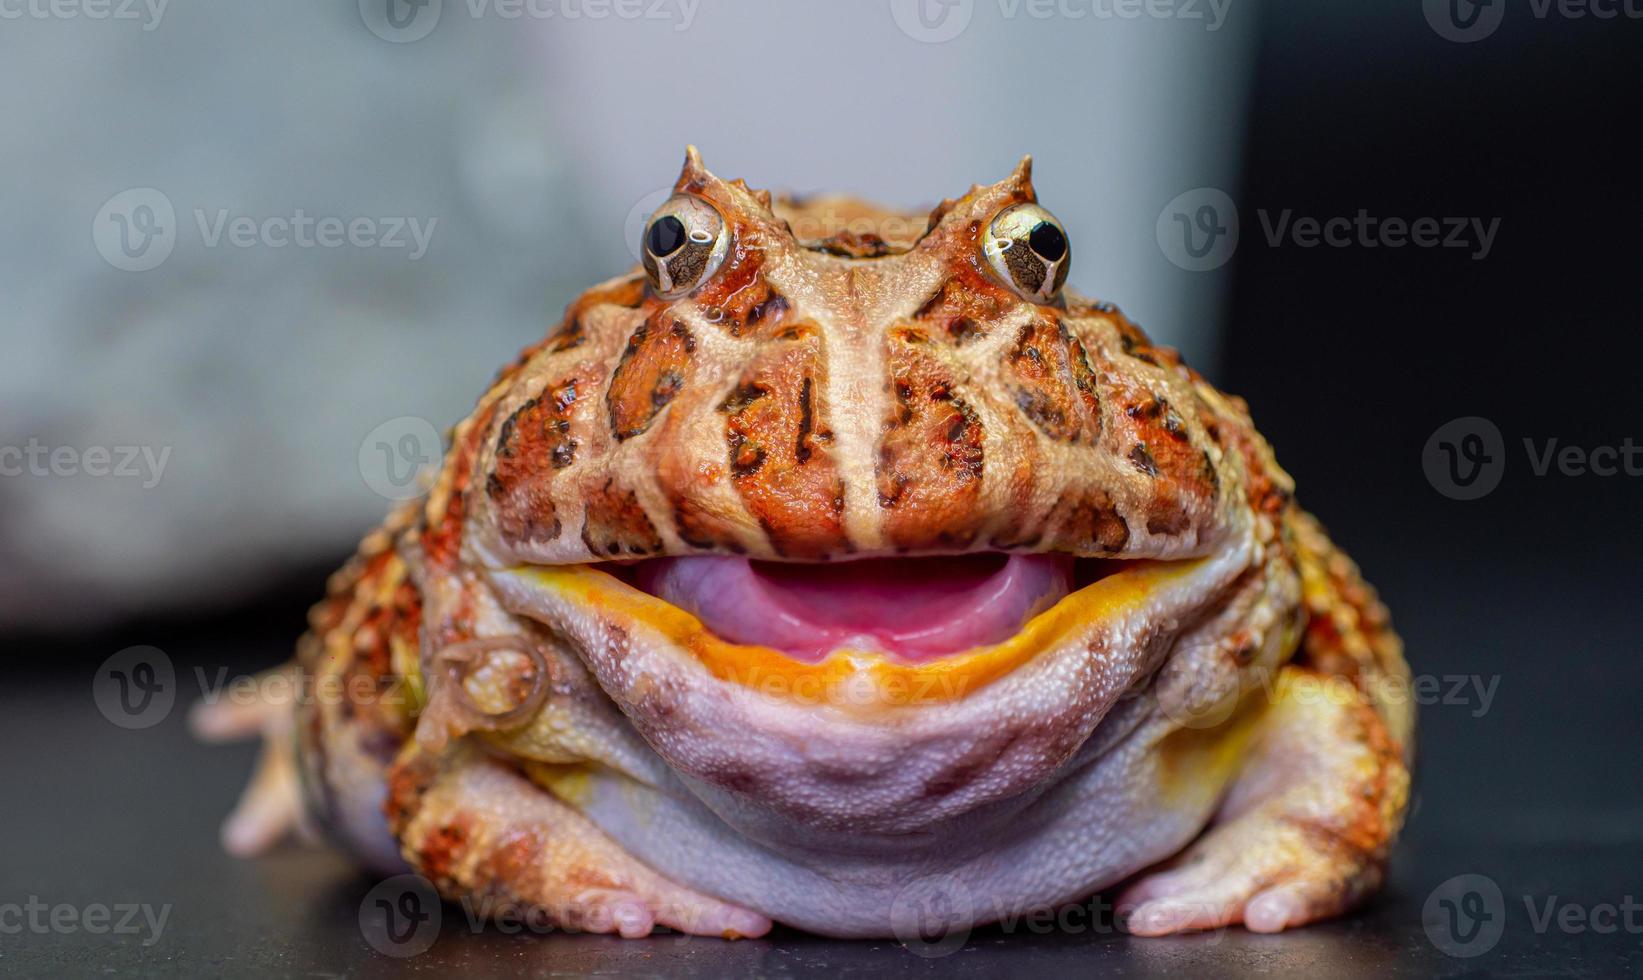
(685, 242)
(1029, 250)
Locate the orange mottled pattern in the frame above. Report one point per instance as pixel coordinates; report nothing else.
(534, 440)
(1348, 629)
(615, 525)
(1052, 381)
(777, 443)
(818, 399)
(651, 373)
(931, 459)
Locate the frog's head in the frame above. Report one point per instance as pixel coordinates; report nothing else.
(820, 481)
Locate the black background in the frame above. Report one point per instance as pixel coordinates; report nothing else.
(1350, 358)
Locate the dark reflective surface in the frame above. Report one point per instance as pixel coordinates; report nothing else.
(98, 815)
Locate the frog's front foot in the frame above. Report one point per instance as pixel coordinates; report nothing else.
(1304, 831)
(484, 833)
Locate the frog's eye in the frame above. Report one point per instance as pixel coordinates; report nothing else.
(685, 242)
(1028, 249)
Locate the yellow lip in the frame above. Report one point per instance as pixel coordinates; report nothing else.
(862, 678)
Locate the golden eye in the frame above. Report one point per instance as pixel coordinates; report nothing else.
(684, 244)
(1028, 249)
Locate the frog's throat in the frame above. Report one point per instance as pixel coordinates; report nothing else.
(849, 678)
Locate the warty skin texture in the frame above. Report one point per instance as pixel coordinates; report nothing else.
(1206, 719)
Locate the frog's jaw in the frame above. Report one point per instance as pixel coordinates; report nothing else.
(914, 610)
(859, 740)
(861, 680)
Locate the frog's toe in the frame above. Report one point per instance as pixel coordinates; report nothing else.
(270, 808)
(1264, 875)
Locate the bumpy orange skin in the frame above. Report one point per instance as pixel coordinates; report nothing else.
(872, 391)
(807, 404)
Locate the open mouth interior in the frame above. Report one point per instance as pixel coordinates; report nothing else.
(912, 609)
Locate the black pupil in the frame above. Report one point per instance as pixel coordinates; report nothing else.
(1047, 240)
(667, 235)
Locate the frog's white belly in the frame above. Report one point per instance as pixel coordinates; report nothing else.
(1114, 811)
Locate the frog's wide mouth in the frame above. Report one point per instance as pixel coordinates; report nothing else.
(1023, 607)
(911, 610)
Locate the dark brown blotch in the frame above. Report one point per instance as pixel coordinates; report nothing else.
(650, 375)
(931, 458)
(615, 523)
(775, 436)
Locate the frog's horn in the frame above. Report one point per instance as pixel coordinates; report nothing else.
(1022, 178)
(694, 178)
(693, 165)
(1014, 189)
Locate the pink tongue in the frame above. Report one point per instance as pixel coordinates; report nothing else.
(917, 609)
